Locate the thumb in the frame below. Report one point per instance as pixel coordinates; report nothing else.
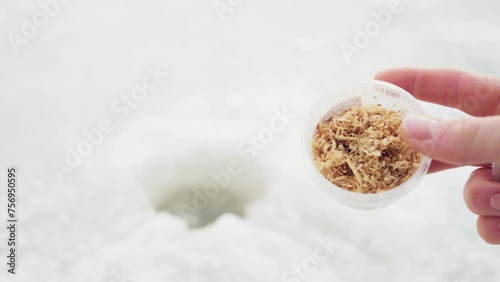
(458, 141)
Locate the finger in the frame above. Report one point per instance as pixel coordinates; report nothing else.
(488, 228)
(437, 166)
(482, 194)
(471, 93)
(463, 141)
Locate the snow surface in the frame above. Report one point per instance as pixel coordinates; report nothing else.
(115, 217)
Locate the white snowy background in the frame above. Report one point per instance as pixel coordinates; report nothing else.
(115, 218)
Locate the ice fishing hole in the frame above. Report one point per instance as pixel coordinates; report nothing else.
(201, 195)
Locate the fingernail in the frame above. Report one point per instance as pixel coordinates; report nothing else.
(495, 201)
(420, 128)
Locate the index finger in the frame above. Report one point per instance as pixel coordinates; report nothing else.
(474, 94)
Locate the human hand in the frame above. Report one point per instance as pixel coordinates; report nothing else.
(458, 141)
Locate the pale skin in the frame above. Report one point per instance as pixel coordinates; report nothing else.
(458, 141)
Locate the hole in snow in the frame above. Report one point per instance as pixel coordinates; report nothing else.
(200, 195)
(207, 211)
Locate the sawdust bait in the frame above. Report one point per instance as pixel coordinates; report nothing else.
(360, 150)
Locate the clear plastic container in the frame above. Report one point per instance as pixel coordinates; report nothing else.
(370, 92)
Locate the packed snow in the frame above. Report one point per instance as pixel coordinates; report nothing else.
(228, 86)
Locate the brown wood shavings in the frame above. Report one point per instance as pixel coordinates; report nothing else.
(360, 150)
